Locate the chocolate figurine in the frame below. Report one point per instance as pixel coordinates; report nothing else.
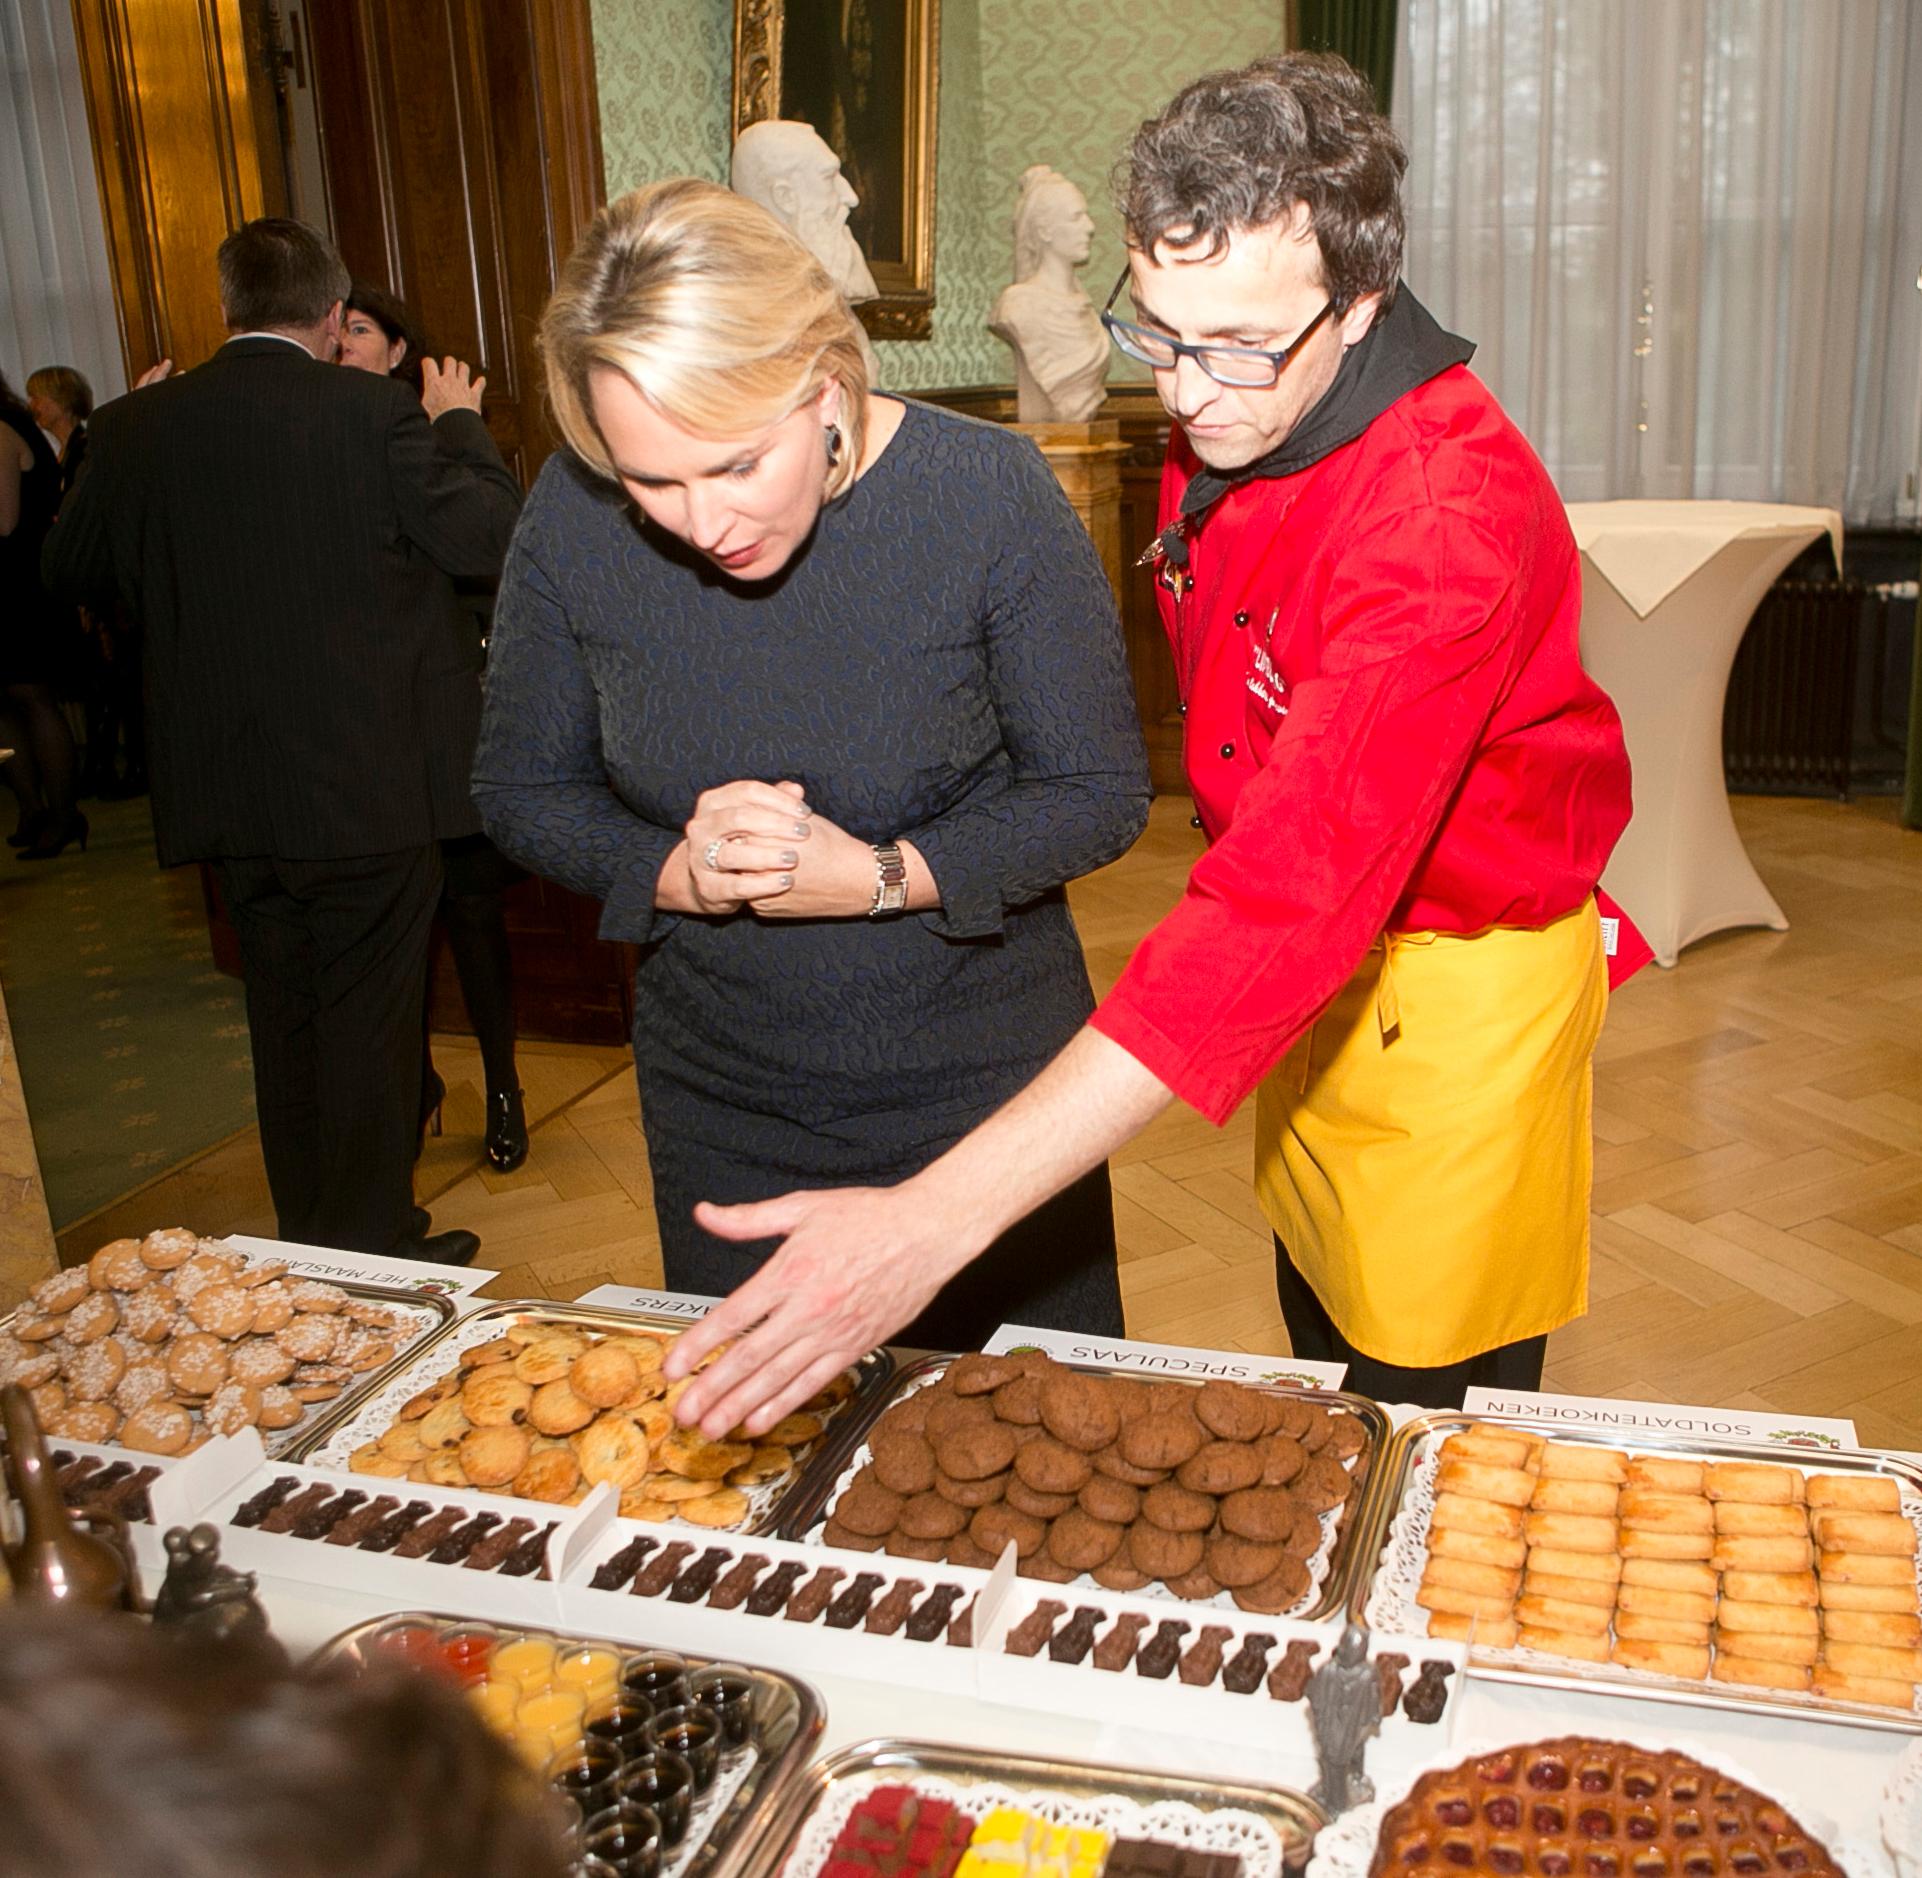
(1344, 1714)
(212, 1601)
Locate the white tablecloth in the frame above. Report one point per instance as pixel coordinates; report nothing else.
(1668, 591)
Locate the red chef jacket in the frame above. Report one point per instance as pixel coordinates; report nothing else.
(1388, 728)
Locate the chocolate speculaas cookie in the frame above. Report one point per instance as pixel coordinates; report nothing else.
(976, 1453)
(1161, 1441)
(1229, 1410)
(1177, 1509)
(1050, 1465)
(1220, 1467)
(1078, 1410)
(903, 1463)
(1024, 1499)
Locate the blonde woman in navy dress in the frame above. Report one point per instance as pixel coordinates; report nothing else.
(822, 693)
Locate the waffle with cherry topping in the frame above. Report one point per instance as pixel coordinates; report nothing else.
(1582, 1808)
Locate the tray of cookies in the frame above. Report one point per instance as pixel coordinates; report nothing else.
(917, 1809)
(544, 1401)
(1215, 1492)
(1722, 1574)
(156, 1343)
(672, 1764)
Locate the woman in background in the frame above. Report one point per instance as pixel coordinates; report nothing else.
(110, 648)
(378, 334)
(34, 643)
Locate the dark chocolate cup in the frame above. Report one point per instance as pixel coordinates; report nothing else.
(663, 1781)
(624, 1726)
(658, 1675)
(587, 1776)
(695, 1735)
(627, 1836)
(728, 1695)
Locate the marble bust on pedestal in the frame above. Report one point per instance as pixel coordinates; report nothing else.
(1060, 349)
(788, 168)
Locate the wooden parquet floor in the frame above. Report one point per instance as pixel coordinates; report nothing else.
(1758, 1195)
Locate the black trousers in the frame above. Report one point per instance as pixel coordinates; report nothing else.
(336, 959)
(1312, 1334)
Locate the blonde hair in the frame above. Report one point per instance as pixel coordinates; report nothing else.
(712, 310)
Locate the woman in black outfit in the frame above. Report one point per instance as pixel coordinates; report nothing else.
(379, 335)
(823, 694)
(34, 642)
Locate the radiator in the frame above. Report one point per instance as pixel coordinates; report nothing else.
(1787, 725)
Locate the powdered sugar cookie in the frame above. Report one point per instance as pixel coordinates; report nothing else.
(142, 1383)
(94, 1370)
(273, 1308)
(225, 1310)
(314, 1294)
(259, 1362)
(119, 1267)
(92, 1318)
(260, 1272)
(149, 1316)
(168, 1248)
(197, 1274)
(159, 1428)
(87, 1421)
(197, 1363)
(32, 1327)
(280, 1408)
(231, 1407)
(57, 1295)
(310, 1338)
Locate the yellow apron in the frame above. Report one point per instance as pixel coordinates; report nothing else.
(1426, 1152)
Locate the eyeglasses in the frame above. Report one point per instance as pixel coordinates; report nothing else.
(1242, 366)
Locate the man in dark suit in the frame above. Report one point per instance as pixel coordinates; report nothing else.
(285, 532)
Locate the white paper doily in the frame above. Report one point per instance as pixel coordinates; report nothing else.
(1902, 1814)
(379, 1412)
(1318, 1564)
(1346, 1849)
(1392, 1606)
(1229, 1829)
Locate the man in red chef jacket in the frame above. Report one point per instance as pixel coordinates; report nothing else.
(1409, 787)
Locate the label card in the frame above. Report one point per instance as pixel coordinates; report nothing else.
(1163, 1359)
(366, 1268)
(660, 1303)
(1665, 1418)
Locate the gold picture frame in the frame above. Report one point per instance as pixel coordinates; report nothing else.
(866, 75)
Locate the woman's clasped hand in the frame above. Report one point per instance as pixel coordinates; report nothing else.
(758, 845)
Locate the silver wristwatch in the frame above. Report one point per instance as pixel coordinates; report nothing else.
(890, 880)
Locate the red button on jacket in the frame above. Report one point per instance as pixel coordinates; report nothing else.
(1400, 737)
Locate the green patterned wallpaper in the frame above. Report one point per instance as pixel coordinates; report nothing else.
(665, 73)
(1044, 81)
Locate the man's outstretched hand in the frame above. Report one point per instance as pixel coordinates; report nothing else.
(857, 1264)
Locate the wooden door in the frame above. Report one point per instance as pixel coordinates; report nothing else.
(460, 153)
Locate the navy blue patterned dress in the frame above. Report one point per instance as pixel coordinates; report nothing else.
(942, 662)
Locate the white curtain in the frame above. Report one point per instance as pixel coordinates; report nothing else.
(1685, 234)
(56, 289)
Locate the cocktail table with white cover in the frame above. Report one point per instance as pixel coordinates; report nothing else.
(1668, 591)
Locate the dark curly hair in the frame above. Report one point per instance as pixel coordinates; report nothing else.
(1238, 150)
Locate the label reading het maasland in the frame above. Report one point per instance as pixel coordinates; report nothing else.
(660, 1303)
(1666, 1418)
(1165, 1359)
(366, 1268)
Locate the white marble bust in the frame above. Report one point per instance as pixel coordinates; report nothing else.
(1060, 350)
(788, 168)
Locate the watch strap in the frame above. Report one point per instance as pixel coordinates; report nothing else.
(890, 880)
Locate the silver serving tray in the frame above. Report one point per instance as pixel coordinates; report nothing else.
(806, 1507)
(428, 1357)
(1548, 1672)
(281, 1446)
(1294, 1818)
(788, 1718)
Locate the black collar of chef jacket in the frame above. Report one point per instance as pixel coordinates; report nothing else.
(1405, 347)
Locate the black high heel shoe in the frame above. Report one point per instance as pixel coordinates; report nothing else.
(433, 1092)
(54, 837)
(506, 1130)
(32, 824)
